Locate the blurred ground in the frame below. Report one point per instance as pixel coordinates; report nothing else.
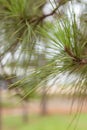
(52, 122)
(60, 110)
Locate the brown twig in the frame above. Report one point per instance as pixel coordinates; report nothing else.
(41, 18)
(76, 59)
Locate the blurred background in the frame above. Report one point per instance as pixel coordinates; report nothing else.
(42, 87)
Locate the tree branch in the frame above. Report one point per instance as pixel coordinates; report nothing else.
(41, 18)
(76, 59)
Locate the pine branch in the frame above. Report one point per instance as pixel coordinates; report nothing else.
(41, 18)
(76, 59)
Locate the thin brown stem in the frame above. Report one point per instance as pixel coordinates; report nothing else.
(76, 59)
(41, 18)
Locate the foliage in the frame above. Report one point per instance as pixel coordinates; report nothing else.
(69, 57)
(64, 39)
(16, 19)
